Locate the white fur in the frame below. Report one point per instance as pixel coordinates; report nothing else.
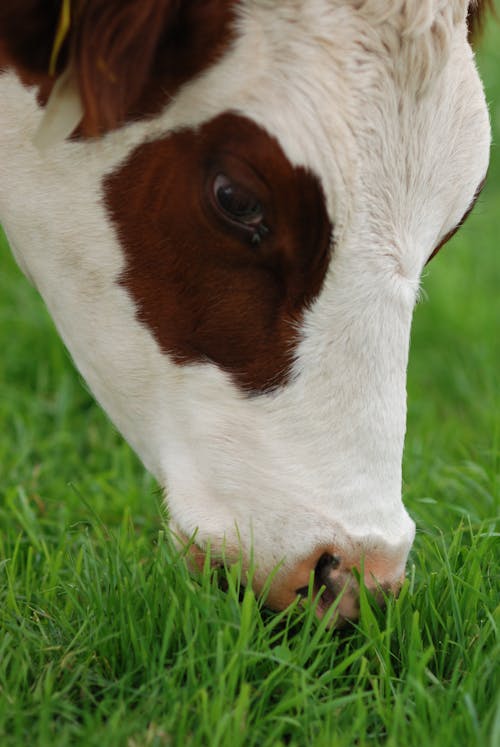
(382, 101)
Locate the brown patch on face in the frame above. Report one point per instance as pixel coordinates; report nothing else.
(206, 286)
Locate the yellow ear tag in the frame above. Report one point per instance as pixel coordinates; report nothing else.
(61, 34)
(63, 111)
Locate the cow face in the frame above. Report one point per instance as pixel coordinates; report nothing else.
(231, 243)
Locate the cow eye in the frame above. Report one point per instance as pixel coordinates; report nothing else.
(237, 203)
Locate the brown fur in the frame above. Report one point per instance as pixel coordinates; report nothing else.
(200, 285)
(27, 30)
(130, 56)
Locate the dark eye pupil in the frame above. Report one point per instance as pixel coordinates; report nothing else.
(238, 203)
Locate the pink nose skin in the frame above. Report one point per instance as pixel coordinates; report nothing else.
(333, 580)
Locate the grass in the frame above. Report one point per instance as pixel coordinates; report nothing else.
(105, 638)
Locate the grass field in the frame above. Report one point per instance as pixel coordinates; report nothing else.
(105, 639)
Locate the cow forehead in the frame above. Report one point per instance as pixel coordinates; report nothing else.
(329, 95)
(330, 84)
(381, 102)
(330, 79)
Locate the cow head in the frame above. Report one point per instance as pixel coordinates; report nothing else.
(231, 243)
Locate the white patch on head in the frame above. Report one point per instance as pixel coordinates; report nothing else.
(398, 135)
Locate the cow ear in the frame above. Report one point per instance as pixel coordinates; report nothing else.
(113, 59)
(110, 46)
(27, 29)
(114, 48)
(476, 16)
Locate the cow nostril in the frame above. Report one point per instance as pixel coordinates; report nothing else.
(303, 591)
(335, 586)
(323, 579)
(325, 565)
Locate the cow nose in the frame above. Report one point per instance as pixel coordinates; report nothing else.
(335, 578)
(332, 578)
(336, 582)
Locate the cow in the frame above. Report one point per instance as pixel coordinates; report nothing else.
(226, 206)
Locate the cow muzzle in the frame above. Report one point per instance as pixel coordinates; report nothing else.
(331, 581)
(336, 587)
(328, 578)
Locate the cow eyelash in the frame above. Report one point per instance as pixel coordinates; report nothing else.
(260, 233)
